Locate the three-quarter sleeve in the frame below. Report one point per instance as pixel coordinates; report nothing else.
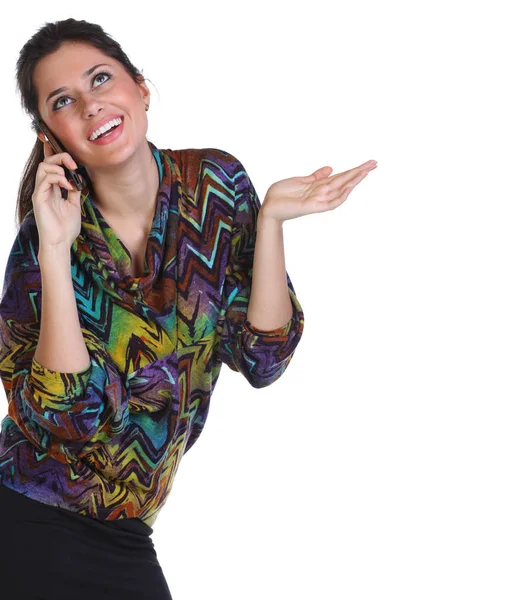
(261, 356)
(63, 414)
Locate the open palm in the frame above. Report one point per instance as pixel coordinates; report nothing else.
(297, 196)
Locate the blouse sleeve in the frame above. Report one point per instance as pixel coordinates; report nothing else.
(261, 356)
(63, 414)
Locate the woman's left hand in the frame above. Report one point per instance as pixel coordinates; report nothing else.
(318, 192)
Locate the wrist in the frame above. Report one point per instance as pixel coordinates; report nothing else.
(50, 253)
(264, 217)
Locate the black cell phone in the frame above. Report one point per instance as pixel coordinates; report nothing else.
(58, 147)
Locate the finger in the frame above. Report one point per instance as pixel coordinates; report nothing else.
(355, 181)
(62, 182)
(337, 195)
(59, 158)
(46, 168)
(55, 178)
(62, 159)
(340, 180)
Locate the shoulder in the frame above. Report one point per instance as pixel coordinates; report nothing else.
(191, 160)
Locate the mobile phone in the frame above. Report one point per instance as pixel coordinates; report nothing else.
(55, 144)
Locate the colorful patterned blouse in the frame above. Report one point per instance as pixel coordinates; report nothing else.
(106, 442)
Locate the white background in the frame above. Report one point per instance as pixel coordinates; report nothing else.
(387, 462)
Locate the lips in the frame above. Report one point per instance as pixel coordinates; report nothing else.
(102, 123)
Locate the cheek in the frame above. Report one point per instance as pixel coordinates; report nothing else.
(73, 141)
(68, 139)
(140, 121)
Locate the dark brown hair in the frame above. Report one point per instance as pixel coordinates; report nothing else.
(45, 41)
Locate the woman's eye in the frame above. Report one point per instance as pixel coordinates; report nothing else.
(56, 105)
(101, 73)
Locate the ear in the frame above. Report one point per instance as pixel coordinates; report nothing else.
(41, 137)
(146, 94)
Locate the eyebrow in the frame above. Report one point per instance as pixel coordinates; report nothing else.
(86, 74)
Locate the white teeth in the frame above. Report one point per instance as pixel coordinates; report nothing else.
(104, 128)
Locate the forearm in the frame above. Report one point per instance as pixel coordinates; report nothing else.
(61, 345)
(269, 304)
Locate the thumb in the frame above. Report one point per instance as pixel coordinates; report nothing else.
(318, 174)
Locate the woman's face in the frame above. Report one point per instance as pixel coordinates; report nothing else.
(71, 114)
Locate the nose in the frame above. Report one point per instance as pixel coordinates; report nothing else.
(92, 112)
(91, 106)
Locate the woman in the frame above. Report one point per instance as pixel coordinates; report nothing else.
(120, 304)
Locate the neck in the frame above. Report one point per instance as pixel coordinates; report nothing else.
(127, 190)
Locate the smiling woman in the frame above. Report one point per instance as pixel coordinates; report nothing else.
(120, 305)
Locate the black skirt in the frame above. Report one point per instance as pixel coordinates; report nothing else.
(49, 553)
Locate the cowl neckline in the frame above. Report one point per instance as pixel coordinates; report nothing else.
(98, 249)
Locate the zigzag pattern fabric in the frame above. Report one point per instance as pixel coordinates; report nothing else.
(106, 442)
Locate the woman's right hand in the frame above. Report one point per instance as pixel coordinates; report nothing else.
(58, 220)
